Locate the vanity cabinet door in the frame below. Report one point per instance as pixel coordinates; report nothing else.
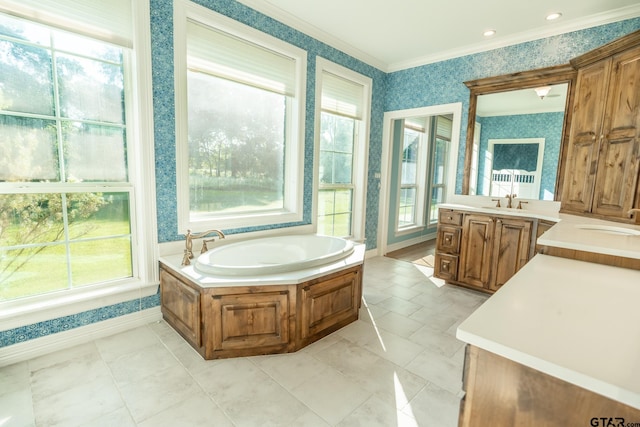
(619, 160)
(512, 241)
(476, 250)
(584, 138)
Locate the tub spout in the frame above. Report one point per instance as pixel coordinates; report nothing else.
(188, 251)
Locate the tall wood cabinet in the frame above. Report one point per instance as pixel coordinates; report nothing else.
(603, 158)
(482, 251)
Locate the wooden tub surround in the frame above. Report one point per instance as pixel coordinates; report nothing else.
(248, 320)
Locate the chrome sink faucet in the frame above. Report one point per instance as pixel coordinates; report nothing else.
(188, 251)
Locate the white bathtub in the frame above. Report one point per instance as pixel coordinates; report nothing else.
(270, 255)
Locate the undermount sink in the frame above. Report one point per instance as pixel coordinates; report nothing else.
(620, 231)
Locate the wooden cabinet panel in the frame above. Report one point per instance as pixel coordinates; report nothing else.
(602, 165)
(584, 137)
(619, 160)
(181, 305)
(448, 239)
(450, 217)
(503, 393)
(446, 266)
(476, 250)
(250, 321)
(512, 241)
(326, 305)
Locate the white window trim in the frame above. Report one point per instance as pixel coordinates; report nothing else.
(420, 185)
(294, 148)
(361, 146)
(387, 147)
(144, 247)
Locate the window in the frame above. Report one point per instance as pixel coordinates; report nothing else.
(439, 155)
(240, 141)
(344, 104)
(67, 150)
(423, 158)
(412, 173)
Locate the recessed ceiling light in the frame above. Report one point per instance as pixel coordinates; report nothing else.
(489, 33)
(553, 16)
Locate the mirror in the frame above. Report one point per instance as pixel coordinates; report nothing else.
(516, 133)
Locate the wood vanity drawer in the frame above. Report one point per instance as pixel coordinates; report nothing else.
(446, 267)
(448, 239)
(449, 217)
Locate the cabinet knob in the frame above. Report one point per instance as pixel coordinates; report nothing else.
(449, 218)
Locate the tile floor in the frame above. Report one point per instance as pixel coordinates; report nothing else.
(399, 365)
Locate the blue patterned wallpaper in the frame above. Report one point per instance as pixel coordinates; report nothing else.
(162, 58)
(432, 84)
(443, 82)
(545, 125)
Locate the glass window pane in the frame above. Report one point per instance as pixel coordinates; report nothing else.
(24, 30)
(406, 211)
(343, 165)
(100, 260)
(27, 82)
(439, 161)
(90, 90)
(29, 219)
(410, 151)
(326, 167)
(31, 271)
(236, 146)
(97, 215)
(28, 149)
(342, 225)
(326, 202)
(95, 153)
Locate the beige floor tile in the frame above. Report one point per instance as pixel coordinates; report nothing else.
(376, 413)
(164, 388)
(78, 405)
(195, 411)
(434, 407)
(290, 370)
(445, 372)
(393, 347)
(398, 324)
(115, 346)
(331, 395)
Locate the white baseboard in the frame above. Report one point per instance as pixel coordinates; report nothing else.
(410, 242)
(59, 341)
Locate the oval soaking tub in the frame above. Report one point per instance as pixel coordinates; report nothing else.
(270, 255)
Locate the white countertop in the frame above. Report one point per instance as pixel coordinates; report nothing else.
(570, 233)
(289, 278)
(567, 234)
(574, 320)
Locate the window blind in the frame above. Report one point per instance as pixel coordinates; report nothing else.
(221, 54)
(444, 127)
(110, 21)
(416, 123)
(342, 96)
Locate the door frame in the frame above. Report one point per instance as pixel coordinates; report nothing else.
(455, 109)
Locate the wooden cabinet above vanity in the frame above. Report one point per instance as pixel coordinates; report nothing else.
(481, 250)
(602, 164)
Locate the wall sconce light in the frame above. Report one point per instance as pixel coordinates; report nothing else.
(542, 91)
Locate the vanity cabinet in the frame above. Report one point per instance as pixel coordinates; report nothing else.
(484, 251)
(603, 157)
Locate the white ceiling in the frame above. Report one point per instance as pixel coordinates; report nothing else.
(399, 34)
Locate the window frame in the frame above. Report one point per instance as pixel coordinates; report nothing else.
(294, 132)
(140, 186)
(420, 185)
(360, 149)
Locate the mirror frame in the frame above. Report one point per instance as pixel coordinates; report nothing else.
(522, 80)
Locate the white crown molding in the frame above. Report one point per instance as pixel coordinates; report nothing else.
(315, 32)
(539, 33)
(526, 36)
